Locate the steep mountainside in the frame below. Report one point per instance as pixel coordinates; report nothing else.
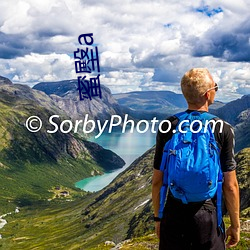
(120, 211)
(232, 110)
(126, 206)
(242, 130)
(66, 96)
(31, 163)
(237, 114)
(243, 175)
(4, 80)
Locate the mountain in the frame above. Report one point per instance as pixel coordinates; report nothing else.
(216, 105)
(66, 96)
(151, 100)
(232, 110)
(243, 175)
(32, 163)
(4, 80)
(106, 215)
(242, 130)
(122, 210)
(149, 104)
(237, 114)
(34, 166)
(138, 105)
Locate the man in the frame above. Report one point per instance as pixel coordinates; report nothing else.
(194, 225)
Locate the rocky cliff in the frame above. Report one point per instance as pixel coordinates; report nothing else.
(4, 80)
(34, 162)
(232, 110)
(66, 96)
(242, 130)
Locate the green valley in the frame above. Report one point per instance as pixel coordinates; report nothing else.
(32, 163)
(121, 213)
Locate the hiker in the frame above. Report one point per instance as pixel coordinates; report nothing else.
(188, 224)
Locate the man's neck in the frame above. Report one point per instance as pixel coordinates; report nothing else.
(203, 107)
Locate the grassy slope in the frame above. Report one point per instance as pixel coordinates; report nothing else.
(150, 242)
(243, 176)
(31, 164)
(54, 225)
(60, 225)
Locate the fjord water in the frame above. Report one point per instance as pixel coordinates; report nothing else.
(128, 146)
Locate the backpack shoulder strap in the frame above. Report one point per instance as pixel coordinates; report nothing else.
(208, 116)
(182, 115)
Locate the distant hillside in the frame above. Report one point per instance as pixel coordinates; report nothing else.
(237, 114)
(4, 80)
(242, 130)
(216, 105)
(232, 110)
(149, 104)
(66, 97)
(31, 163)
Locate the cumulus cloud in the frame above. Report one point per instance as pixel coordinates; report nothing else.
(231, 45)
(34, 68)
(144, 45)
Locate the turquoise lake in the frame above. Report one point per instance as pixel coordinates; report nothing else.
(129, 146)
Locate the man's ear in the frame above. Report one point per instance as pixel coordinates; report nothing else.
(207, 95)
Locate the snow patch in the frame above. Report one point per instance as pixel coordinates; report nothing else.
(143, 186)
(2, 223)
(142, 204)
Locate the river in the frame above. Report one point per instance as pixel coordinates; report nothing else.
(128, 146)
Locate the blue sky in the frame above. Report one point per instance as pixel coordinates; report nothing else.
(143, 45)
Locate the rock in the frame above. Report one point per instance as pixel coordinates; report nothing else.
(4, 80)
(66, 96)
(109, 243)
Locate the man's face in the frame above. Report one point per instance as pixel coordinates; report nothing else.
(211, 93)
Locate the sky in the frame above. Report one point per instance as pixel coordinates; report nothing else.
(143, 45)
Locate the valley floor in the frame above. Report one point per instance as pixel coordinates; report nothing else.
(57, 225)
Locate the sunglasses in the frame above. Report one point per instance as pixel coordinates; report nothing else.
(216, 87)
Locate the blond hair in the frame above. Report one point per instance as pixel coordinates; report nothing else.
(195, 83)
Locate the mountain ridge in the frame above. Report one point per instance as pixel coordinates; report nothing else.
(58, 159)
(66, 96)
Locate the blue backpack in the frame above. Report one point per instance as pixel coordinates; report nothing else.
(191, 162)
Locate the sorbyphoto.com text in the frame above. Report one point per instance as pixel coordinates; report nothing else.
(87, 126)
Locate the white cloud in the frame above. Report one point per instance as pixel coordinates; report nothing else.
(35, 68)
(144, 45)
